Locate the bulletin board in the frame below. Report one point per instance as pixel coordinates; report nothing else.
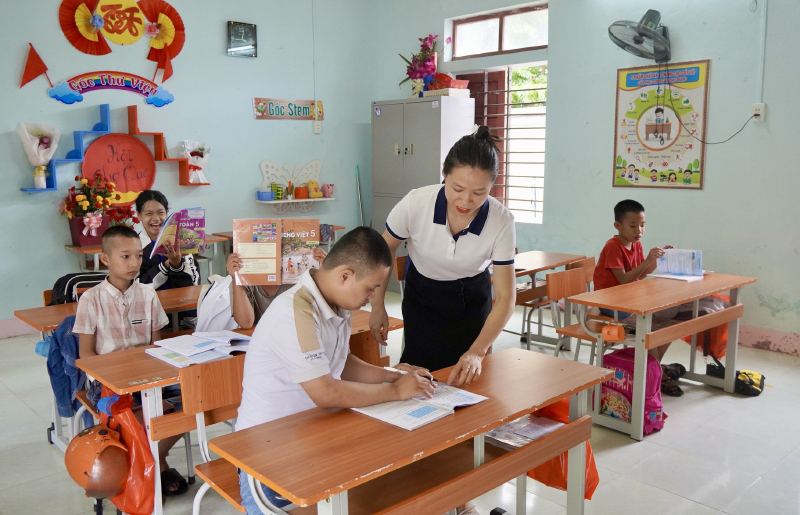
(659, 126)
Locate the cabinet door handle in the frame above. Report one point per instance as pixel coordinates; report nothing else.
(412, 149)
(397, 149)
(405, 151)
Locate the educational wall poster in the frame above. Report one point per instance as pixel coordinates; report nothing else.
(299, 238)
(659, 123)
(257, 241)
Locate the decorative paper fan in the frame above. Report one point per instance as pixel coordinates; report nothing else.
(166, 31)
(82, 27)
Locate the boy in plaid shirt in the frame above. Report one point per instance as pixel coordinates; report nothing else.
(121, 313)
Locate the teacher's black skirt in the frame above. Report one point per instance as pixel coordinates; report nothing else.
(442, 319)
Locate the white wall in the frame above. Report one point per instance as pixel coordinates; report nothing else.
(212, 104)
(745, 219)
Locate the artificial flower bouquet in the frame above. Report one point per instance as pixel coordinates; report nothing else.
(422, 65)
(40, 142)
(197, 153)
(89, 202)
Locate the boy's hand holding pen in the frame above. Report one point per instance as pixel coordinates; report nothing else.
(414, 381)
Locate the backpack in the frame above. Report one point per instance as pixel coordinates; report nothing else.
(214, 306)
(66, 287)
(747, 382)
(617, 393)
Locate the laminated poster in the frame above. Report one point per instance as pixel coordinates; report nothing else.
(660, 122)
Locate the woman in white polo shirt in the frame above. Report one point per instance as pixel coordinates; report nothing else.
(454, 232)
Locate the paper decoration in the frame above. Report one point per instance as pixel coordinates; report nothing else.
(72, 90)
(123, 22)
(88, 23)
(81, 26)
(167, 34)
(279, 109)
(34, 66)
(123, 160)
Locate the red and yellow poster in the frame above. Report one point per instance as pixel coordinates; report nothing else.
(660, 125)
(123, 160)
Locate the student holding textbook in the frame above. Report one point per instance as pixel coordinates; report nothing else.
(299, 354)
(454, 231)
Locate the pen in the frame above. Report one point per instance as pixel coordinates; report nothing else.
(428, 377)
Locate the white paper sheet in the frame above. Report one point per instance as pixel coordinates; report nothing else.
(178, 360)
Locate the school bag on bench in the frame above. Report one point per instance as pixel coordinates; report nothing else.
(66, 287)
(617, 393)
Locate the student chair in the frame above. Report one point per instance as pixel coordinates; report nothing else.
(211, 393)
(561, 285)
(47, 297)
(588, 265)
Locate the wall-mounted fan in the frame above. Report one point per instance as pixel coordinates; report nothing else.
(648, 38)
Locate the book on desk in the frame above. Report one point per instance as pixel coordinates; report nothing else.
(419, 411)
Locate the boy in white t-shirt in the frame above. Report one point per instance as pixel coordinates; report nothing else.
(299, 356)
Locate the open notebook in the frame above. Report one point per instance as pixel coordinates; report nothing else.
(419, 411)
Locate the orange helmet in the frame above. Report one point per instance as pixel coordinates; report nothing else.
(97, 461)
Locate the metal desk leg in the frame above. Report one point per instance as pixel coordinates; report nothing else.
(336, 505)
(695, 314)
(477, 443)
(733, 346)
(522, 491)
(643, 326)
(151, 408)
(576, 460)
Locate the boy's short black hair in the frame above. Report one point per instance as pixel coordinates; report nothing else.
(659, 110)
(363, 249)
(626, 206)
(113, 233)
(148, 195)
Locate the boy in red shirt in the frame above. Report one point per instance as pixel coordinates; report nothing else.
(622, 261)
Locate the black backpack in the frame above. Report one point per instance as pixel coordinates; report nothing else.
(66, 287)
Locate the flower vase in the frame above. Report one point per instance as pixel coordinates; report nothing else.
(76, 226)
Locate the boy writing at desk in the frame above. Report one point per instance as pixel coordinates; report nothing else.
(299, 355)
(121, 313)
(622, 261)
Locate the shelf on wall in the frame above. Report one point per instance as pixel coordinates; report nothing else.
(294, 200)
(159, 147)
(76, 154)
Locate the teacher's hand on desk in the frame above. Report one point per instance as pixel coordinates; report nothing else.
(467, 369)
(379, 324)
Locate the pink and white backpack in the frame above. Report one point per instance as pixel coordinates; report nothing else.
(618, 391)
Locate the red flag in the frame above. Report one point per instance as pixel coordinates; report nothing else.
(165, 63)
(34, 67)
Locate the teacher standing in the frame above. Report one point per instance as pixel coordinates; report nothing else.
(454, 232)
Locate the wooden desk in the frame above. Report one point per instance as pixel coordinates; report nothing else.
(134, 370)
(643, 298)
(530, 263)
(83, 256)
(47, 318)
(363, 345)
(349, 463)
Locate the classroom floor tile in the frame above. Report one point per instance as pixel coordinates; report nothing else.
(717, 454)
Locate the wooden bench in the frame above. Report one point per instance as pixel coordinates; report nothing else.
(211, 393)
